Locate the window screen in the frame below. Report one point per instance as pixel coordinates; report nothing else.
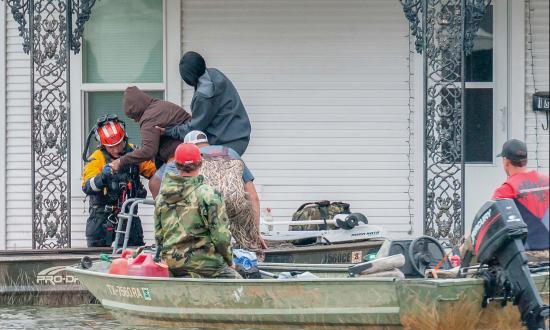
(123, 42)
(479, 106)
(479, 64)
(479, 125)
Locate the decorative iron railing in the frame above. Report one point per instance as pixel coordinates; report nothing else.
(445, 32)
(46, 27)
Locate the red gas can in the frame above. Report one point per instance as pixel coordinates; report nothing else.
(144, 265)
(119, 266)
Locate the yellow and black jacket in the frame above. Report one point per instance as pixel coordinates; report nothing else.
(106, 196)
(93, 186)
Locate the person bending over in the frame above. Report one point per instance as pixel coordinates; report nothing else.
(244, 215)
(216, 107)
(149, 112)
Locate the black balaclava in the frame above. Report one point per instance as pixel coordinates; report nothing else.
(192, 66)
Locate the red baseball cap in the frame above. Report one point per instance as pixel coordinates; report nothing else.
(187, 153)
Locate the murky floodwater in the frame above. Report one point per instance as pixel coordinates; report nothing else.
(65, 318)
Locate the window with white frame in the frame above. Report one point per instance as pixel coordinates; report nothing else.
(123, 45)
(479, 95)
(479, 91)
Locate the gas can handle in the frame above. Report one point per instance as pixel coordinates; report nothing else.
(157, 254)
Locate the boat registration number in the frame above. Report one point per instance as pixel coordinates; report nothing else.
(356, 257)
(129, 292)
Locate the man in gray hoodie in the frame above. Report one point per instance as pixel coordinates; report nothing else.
(216, 107)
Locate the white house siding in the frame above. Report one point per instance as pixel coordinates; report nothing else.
(325, 83)
(2, 127)
(18, 140)
(537, 53)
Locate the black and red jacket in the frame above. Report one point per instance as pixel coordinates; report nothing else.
(530, 192)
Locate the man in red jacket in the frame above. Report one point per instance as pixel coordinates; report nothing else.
(529, 189)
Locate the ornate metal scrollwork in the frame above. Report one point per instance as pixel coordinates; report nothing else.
(82, 9)
(19, 11)
(445, 32)
(413, 10)
(443, 122)
(50, 116)
(475, 11)
(46, 28)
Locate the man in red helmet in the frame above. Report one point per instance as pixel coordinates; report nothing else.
(108, 190)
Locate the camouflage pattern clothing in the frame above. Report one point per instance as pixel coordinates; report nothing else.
(191, 226)
(318, 211)
(322, 210)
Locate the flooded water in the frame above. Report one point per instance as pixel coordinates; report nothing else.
(65, 318)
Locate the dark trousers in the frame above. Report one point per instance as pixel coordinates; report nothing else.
(101, 233)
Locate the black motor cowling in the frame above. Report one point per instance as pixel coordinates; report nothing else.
(495, 224)
(498, 236)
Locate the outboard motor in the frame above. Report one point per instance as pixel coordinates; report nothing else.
(498, 236)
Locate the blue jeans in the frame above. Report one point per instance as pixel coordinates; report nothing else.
(239, 145)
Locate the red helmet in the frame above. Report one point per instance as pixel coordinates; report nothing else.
(187, 153)
(111, 133)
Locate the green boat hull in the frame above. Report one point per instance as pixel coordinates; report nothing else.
(331, 301)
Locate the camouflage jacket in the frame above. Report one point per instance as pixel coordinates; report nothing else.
(191, 225)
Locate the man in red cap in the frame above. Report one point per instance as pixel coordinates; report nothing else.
(191, 221)
(529, 189)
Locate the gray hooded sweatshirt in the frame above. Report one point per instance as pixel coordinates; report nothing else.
(217, 110)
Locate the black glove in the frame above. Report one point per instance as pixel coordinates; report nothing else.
(103, 178)
(106, 172)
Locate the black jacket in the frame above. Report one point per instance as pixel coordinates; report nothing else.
(217, 110)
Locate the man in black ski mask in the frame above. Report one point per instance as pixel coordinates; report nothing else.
(216, 107)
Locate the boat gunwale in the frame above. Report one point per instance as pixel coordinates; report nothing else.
(326, 280)
(77, 270)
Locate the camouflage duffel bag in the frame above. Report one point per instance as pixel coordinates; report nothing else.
(321, 210)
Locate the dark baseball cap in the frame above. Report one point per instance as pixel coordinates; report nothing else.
(514, 150)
